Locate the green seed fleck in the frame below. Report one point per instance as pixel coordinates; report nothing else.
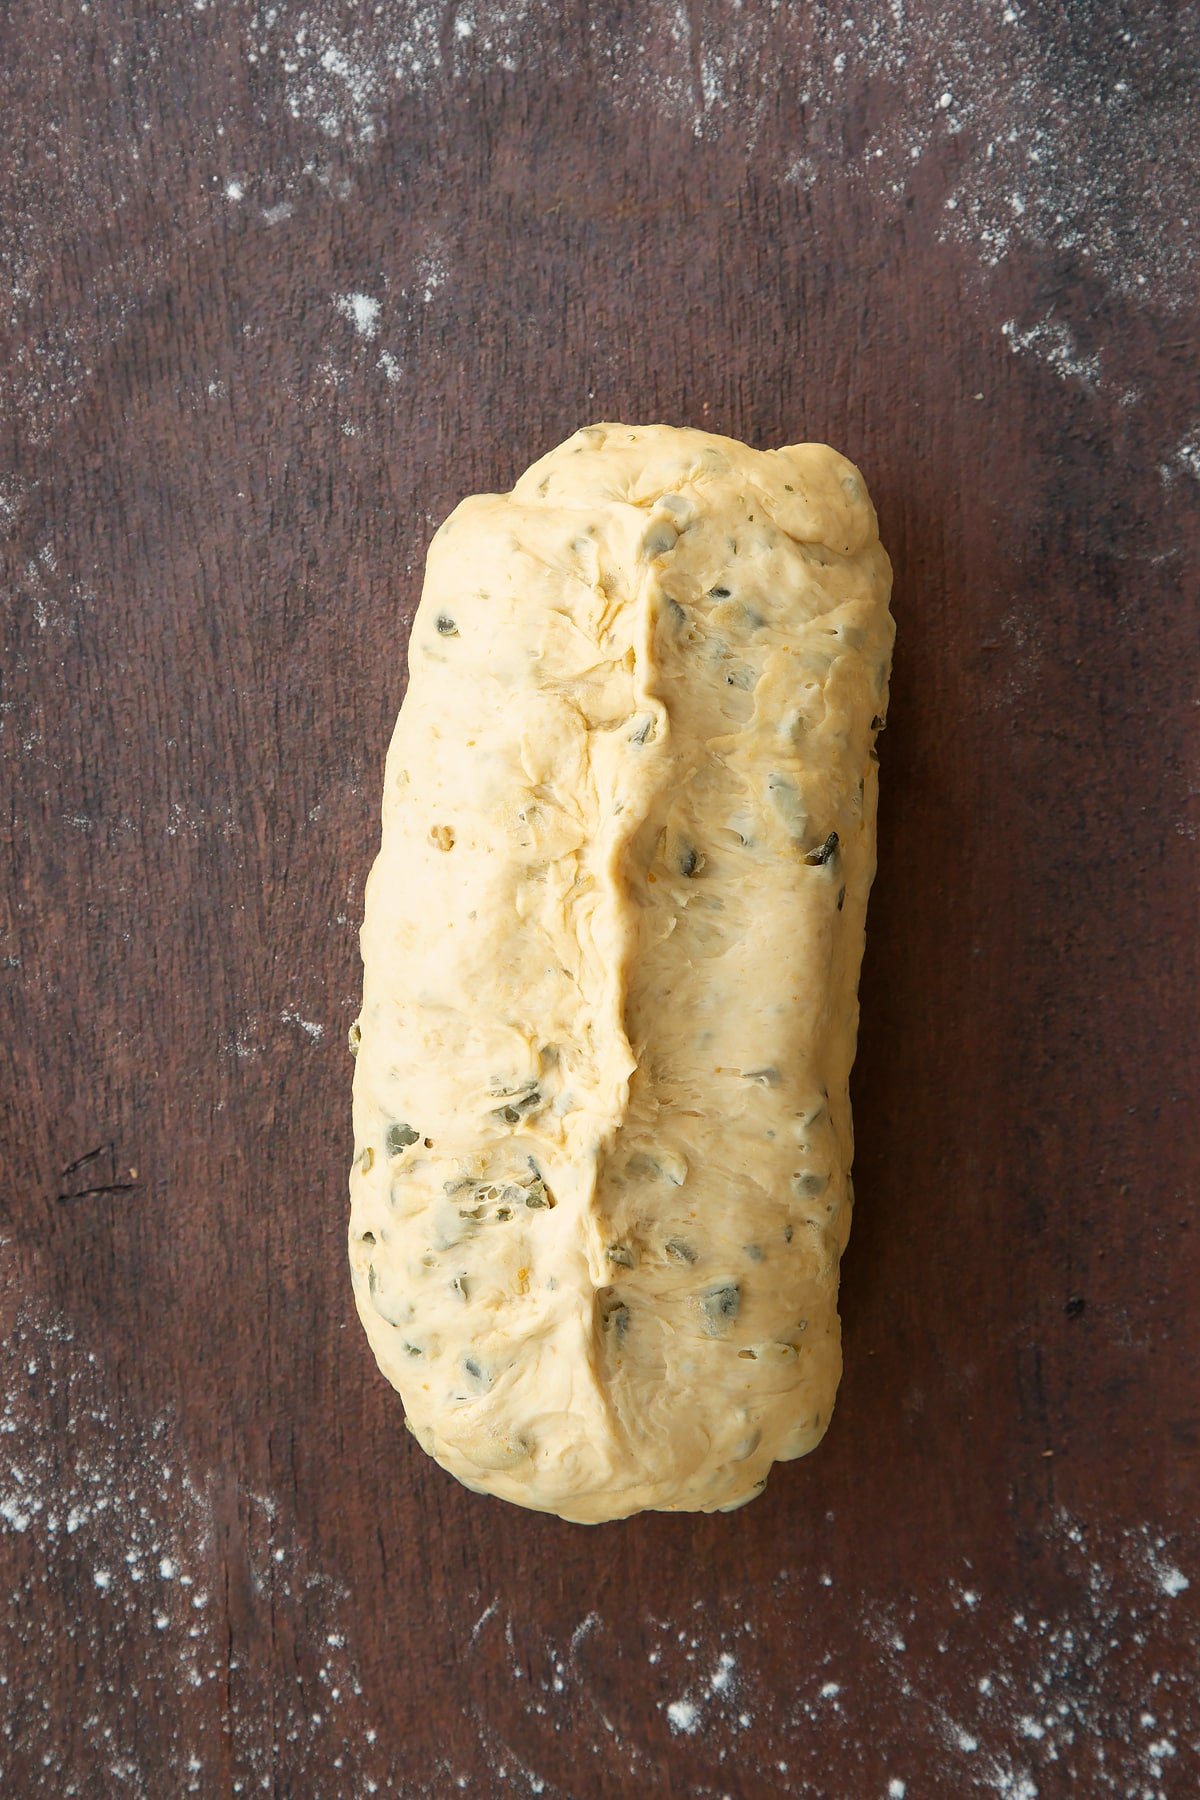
(768, 1077)
(522, 1100)
(373, 1287)
(720, 1305)
(810, 1184)
(616, 1320)
(659, 541)
(824, 853)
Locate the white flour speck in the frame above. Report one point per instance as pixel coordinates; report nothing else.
(362, 310)
(1184, 458)
(243, 1043)
(684, 1716)
(487, 1613)
(14, 1514)
(722, 1677)
(432, 276)
(310, 1027)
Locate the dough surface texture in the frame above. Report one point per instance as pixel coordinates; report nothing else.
(611, 947)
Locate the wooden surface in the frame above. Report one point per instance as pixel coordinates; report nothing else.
(957, 242)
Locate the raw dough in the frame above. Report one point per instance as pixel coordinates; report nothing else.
(612, 943)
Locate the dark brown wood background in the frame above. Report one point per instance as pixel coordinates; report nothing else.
(953, 240)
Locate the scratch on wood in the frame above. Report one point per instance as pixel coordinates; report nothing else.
(87, 1157)
(96, 1189)
(108, 1187)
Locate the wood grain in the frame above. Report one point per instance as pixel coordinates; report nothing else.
(224, 1567)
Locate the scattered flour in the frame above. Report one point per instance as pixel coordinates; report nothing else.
(1094, 1696)
(1069, 151)
(432, 276)
(1066, 144)
(310, 1027)
(245, 1042)
(248, 1042)
(13, 491)
(1011, 133)
(114, 1509)
(1053, 343)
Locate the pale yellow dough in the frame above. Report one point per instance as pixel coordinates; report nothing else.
(602, 1123)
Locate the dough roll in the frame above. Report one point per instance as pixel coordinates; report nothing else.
(611, 945)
